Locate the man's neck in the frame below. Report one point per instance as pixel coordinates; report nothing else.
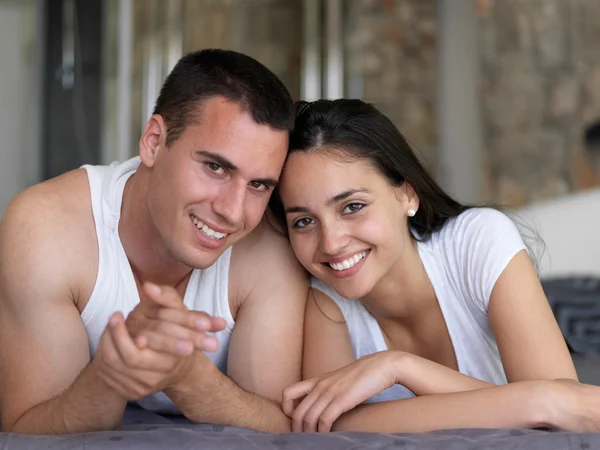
(147, 254)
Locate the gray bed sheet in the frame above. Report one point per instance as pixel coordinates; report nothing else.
(145, 430)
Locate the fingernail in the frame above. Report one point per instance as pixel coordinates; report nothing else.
(184, 347)
(202, 324)
(210, 344)
(113, 321)
(153, 288)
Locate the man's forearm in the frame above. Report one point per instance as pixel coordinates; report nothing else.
(87, 405)
(209, 396)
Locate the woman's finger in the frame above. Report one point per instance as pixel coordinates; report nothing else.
(294, 392)
(312, 418)
(328, 416)
(299, 414)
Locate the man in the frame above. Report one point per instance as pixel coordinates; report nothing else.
(174, 241)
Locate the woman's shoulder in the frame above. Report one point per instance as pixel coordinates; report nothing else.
(479, 233)
(474, 219)
(474, 223)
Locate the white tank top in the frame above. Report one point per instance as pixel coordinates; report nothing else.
(115, 288)
(463, 261)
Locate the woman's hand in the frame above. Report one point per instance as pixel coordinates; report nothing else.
(327, 397)
(573, 406)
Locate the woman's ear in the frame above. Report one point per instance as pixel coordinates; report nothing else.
(408, 197)
(152, 140)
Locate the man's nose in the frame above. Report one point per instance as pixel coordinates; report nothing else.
(229, 203)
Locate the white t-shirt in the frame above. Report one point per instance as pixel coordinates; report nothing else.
(463, 261)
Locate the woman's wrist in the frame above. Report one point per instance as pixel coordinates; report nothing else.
(537, 400)
(400, 365)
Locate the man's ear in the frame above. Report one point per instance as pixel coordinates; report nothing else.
(152, 140)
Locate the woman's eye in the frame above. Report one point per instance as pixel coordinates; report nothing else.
(301, 223)
(353, 207)
(215, 167)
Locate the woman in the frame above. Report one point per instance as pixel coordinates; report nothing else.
(413, 294)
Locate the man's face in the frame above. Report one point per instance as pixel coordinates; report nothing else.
(212, 186)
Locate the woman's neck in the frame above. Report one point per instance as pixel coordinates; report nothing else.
(405, 292)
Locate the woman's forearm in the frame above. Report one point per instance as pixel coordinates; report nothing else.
(424, 377)
(518, 405)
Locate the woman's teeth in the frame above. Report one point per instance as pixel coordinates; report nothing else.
(207, 230)
(350, 262)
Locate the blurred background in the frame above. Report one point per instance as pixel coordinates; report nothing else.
(501, 98)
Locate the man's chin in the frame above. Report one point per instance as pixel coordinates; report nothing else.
(200, 259)
(203, 262)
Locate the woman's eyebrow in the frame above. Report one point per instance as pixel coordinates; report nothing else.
(343, 196)
(332, 201)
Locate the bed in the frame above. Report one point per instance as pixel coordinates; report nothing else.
(145, 430)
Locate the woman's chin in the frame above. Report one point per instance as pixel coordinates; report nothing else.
(350, 290)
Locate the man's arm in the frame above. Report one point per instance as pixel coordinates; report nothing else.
(45, 386)
(266, 345)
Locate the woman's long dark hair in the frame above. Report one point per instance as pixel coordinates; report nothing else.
(358, 130)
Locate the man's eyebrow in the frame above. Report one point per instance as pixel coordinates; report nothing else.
(333, 200)
(222, 161)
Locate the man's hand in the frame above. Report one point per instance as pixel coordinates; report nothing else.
(155, 347)
(133, 372)
(162, 323)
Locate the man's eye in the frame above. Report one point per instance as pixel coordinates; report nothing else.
(258, 185)
(215, 167)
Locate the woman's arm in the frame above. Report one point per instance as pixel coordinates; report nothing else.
(327, 348)
(509, 406)
(561, 404)
(425, 377)
(334, 400)
(327, 345)
(530, 342)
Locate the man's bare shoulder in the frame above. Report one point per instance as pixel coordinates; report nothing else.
(47, 232)
(265, 255)
(264, 246)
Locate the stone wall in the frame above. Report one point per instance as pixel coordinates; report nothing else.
(268, 30)
(540, 91)
(391, 61)
(540, 76)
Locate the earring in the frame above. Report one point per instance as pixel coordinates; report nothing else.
(411, 212)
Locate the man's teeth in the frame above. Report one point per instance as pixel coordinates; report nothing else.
(208, 231)
(350, 262)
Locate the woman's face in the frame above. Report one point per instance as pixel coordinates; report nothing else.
(347, 224)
